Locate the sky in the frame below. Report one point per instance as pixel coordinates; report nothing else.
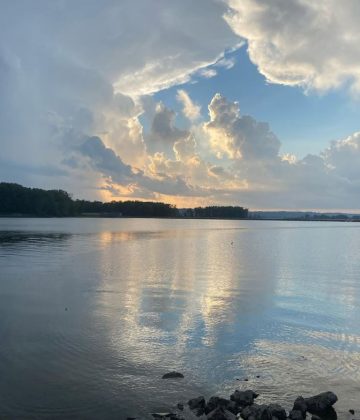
(207, 102)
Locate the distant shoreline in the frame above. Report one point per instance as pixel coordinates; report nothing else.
(31, 216)
(17, 201)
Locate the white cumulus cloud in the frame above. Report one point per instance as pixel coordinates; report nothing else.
(314, 44)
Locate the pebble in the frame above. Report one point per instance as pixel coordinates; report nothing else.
(171, 375)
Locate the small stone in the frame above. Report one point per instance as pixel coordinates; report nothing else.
(180, 406)
(244, 398)
(277, 411)
(216, 414)
(251, 412)
(329, 414)
(215, 402)
(352, 412)
(172, 375)
(197, 403)
(220, 413)
(265, 413)
(199, 412)
(233, 407)
(296, 415)
(168, 416)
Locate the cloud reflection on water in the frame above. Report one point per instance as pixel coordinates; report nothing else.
(145, 297)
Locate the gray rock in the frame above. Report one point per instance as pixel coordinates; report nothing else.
(320, 403)
(256, 412)
(300, 405)
(221, 413)
(296, 415)
(251, 412)
(199, 412)
(171, 375)
(329, 414)
(244, 398)
(262, 412)
(198, 402)
(164, 416)
(233, 407)
(215, 402)
(277, 411)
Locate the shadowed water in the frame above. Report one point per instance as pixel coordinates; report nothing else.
(94, 311)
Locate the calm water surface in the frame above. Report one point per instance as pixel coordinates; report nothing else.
(94, 311)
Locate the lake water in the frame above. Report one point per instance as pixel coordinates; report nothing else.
(94, 311)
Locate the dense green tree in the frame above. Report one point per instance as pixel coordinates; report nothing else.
(18, 200)
(15, 199)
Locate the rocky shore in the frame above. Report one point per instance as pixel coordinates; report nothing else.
(242, 405)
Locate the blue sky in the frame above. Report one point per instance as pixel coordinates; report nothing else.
(305, 122)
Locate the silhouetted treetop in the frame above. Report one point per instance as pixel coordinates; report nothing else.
(18, 200)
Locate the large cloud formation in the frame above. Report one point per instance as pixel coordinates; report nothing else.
(239, 136)
(314, 44)
(74, 68)
(76, 79)
(244, 165)
(331, 179)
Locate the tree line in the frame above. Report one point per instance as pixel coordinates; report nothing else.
(227, 212)
(215, 212)
(16, 200)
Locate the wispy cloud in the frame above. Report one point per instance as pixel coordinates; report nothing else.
(191, 110)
